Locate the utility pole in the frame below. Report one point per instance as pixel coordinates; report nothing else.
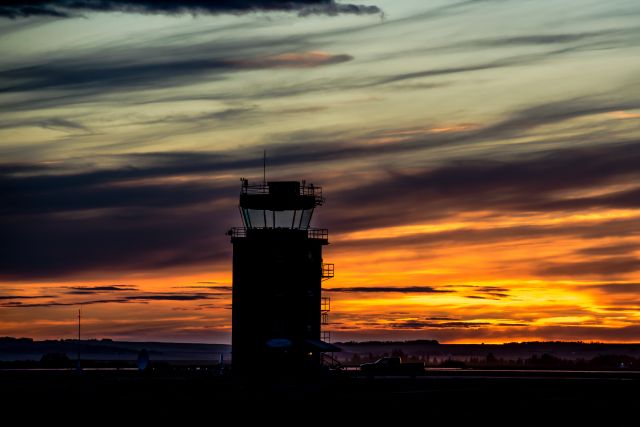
(78, 366)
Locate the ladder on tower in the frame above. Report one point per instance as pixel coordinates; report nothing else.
(325, 308)
(327, 271)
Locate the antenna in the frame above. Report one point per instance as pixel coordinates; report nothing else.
(79, 336)
(264, 167)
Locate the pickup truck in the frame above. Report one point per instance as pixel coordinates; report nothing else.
(392, 366)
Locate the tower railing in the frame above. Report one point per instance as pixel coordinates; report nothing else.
(263, 188)
(311, 190)
(318, 233)
(237, 232)
(312, 233)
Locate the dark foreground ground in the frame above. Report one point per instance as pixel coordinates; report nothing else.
(465, 396)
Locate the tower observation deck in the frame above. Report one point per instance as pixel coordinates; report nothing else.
(278, 308)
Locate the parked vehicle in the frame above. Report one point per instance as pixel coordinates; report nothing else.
(392, 366)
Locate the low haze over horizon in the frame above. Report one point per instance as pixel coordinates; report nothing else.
(479, 160)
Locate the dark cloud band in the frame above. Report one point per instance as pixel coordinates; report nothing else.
(69, 8)
(142, 298)
(139, 224)
(385, 289)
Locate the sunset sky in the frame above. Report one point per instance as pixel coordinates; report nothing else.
(480, 161)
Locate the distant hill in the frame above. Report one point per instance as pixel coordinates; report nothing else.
(13, 349)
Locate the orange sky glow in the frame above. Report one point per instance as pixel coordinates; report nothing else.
(479, 163)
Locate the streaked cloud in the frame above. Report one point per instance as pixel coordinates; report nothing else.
(20, 297)
(100, 75)
(293, 60)
(611, 266)
(131, 297)
(88, 290)
(618, 288)
(425, 324)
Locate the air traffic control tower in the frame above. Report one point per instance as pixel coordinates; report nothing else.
(278, 309)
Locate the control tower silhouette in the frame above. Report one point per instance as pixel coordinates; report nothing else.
(278, 270)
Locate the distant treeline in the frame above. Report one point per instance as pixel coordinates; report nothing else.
(490, 361)
(507, 344)
(25, 352)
